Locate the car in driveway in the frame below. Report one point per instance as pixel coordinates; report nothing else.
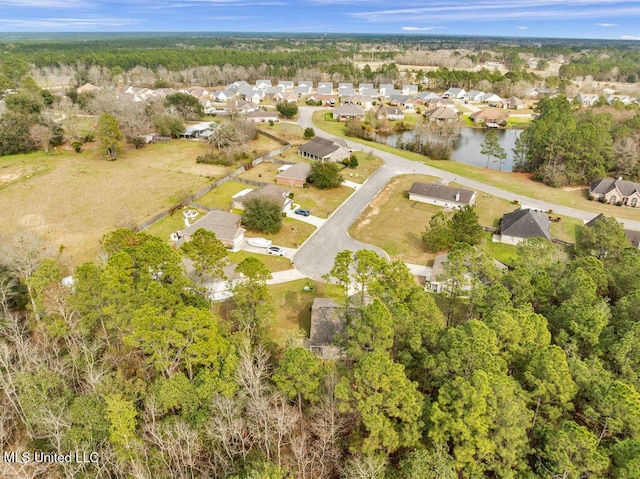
(276, 250)
(302, 212)
(259, 242)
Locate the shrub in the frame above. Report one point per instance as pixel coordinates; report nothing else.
(325, 175)
(262, 213)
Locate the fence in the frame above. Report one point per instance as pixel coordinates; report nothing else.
(190, 200)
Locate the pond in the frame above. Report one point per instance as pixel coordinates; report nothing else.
(469, 144)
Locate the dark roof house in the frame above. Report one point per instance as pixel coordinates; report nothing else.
(441, 195)
(327, 324)
(522, 224)
(323, 149)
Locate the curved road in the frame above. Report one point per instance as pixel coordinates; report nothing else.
(316, 256)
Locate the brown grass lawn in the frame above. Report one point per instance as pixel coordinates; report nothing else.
(367, 165)
(395, 224)
(290, 132)
(265, 172)
(292, 234)
(73, 199)
(221, 197)
(293, 308)
(321, 203)
(521, 183)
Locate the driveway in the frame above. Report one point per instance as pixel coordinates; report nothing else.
(316, 256)
(312, 220)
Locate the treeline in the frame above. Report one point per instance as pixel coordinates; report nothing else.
(444, 78)
(530, 372)
(569, 145)
(612, 65)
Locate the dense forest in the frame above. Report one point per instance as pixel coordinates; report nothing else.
(566, 144)
(525, 372)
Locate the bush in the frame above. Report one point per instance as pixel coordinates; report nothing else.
(591, 197)
(211, 159)
(353, 162)
(77, 146)
(325, 175)
(287, 109)
(309, 132)
(262, 213)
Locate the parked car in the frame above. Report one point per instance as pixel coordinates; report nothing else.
(302, 211)
(275, 250)
(259, 242)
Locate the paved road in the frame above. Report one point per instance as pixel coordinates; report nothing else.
(317, 254)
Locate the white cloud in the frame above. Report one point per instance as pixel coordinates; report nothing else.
(43, 3)
(522, 27)
(487, 10)
(63, 23)
(606, 24)
(420, 29)
(629, 37)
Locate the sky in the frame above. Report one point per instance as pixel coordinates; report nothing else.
(604, 19)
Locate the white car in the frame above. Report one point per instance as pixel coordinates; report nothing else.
(275, 250)
(259, 242)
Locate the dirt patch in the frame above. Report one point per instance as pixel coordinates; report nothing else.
(8, 178)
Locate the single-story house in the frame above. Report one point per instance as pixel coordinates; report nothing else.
(286, 96)
(587, 99)
(242, 106)
(441, 195)
(325, 88)
(263, 84)
(225, 225)
(390, 113)
(198, 130)
(302, 90)
(346, 92)
(286, 84)
(327, 325)
(386, 89)
(399, 100)
(262, 116)
(474, 95)
(440, 114)
(87, 88)
(440, 102)
(323, 149)
(633, 237)
(624, 99)
(522, 224)
(325, 99)
(281, 195)
(365, 86)
(490, 98)
(348, 112)
(515, 103)
(490, 115)
(365, 102)
(458, 93)
(294, 175)
(616, 190)
(437, 285)
(426, 96)
(409, 89)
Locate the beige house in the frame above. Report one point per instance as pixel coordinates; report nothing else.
(225, 225)
(261, 116)
(277, 193)
(441, 195)
(496, 116)
(323, 149)
(348, 112)
(617, 191)
(441, 114)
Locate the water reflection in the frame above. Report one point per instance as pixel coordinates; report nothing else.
(468, 146)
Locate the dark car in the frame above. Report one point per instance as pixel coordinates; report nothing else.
(302, 211)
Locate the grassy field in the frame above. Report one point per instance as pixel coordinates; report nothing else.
(290, 132)
(292, 234)
(321, 203)
(263, 172)
(72, 200)
(293, 308)
(395, 223)
(170, 224)
(520, 183)
(273, 263)
(221, 197)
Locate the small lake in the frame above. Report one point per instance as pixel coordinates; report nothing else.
(469, 144)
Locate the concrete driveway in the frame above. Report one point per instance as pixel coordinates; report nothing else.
(312, 220)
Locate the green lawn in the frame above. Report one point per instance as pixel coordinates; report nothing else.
(519, 183)
(293, 308)
(500, 251)
(395, 224)
(221, 197)
(170, 224)
(292, 234)
(273, 263)
(321, 203)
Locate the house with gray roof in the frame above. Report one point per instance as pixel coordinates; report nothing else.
(286, 84)
(409, 89)
(389, 113)
(277, 193)
(293, 175)
(441, 195)
(441, 114)
(609, 190)
(522, 224)
(458, 93)
(262, 116)
(348, 112)
(262, 84)
(327, 326)
(225, 225)
(323, 149)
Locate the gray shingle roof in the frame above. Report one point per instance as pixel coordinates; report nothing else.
(299, 171)
(222, 223)
(319, 147)
(441, 192)
(526, 223)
